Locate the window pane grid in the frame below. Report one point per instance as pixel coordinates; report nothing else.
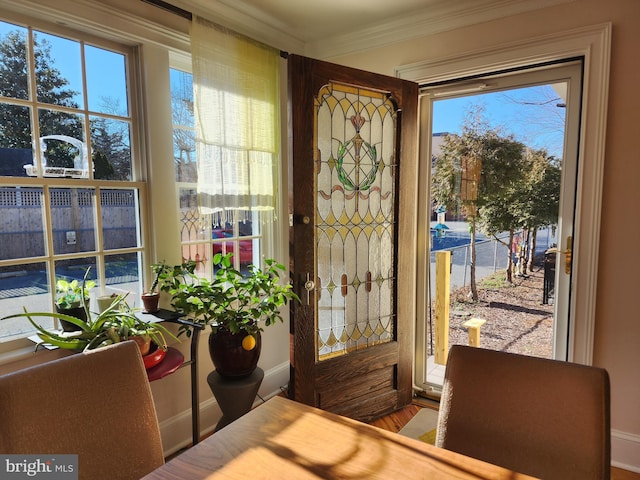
(65, 120)
(71, 89)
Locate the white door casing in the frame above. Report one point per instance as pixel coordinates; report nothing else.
(593, 45)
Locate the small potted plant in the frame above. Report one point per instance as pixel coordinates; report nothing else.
(115, 324)
(234, 305)
(72, 298)
(151, 297)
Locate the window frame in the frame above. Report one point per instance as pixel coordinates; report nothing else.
(155, 50)
(18, 343)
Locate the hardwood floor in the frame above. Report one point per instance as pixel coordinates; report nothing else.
(395, 421)
(619, 474)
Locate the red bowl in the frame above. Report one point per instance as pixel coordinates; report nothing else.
(154, 357)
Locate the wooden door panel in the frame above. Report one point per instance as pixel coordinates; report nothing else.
(368, 409)
(370, 384)
(352, 195)
(359, 364)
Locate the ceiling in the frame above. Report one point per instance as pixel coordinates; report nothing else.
(312, 20)
(322, 29)
(326, 28)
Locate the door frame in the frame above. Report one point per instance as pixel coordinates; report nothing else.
(568, 73)
(593, 43)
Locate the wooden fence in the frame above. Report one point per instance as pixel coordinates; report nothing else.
(72, 218)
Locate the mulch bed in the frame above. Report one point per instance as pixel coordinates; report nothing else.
(517, 321)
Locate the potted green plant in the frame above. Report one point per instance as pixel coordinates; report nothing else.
(235, 306)
(72, 298)
(115, 324)
(144, 333)
(151, 297)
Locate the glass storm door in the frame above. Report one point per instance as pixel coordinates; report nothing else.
(544, 107)
(353, 157)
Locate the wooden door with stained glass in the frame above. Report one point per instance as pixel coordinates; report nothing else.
(352, 238)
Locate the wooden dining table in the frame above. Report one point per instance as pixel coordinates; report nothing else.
(283, 439)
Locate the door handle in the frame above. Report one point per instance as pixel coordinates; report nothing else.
(567, 255)
(309, 285)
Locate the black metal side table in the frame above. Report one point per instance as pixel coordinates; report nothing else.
(235, 396)
(164, 315)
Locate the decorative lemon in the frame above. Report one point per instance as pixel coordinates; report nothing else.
(249, 342)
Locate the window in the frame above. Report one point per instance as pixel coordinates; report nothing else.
(69, 199)
(204, 235)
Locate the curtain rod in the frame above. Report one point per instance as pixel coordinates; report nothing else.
(170, 8)
(186, 14)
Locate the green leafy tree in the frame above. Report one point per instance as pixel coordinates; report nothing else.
(478, 170)
(541, 198)
(110, 147)
(51, 87)
(500, 216)
(14, 84)
(101, 167)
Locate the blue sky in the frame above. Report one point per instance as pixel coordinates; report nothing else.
(106, 74)
(530, 114)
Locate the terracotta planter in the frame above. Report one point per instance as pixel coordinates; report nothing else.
(144, 343)
(150, 302)
(77, 312)
(229, 357)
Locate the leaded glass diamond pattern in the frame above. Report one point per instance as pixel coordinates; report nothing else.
(355, 223)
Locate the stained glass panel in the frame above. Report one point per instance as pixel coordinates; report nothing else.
(355, 179)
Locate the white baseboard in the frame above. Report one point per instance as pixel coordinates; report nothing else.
(176, 431)
(625, 450)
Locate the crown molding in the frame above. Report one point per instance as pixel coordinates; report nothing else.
(247, 21)
(442, 17)
(110, 20)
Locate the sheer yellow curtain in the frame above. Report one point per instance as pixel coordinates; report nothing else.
(237, 120)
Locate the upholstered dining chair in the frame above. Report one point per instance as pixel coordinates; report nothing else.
(545, 418)
(97, 405)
